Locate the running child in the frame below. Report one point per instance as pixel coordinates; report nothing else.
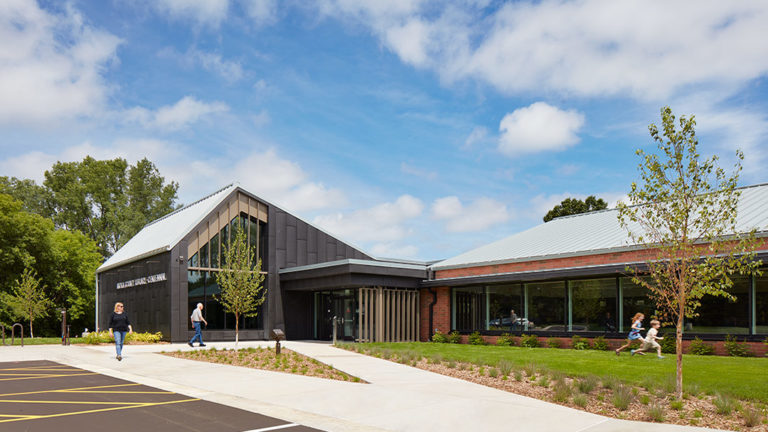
(650, 340)
(634, 333)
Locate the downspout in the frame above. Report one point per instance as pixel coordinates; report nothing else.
(432, 311)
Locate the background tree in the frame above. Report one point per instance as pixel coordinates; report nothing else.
(685, 213)
(27, 299)
(572, 206)
(34, 198)
(240, 279)
(108, 200)
(65, 261)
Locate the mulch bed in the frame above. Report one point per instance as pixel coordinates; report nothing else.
(264, 358)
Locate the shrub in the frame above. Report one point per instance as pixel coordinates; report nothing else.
(505, 339)
(611, 383)
(530, 370)
(676, 405)
(438, 337)
(554, 343)
(518, 375)
(436, 358)
(735, 348)
(723, 404)
(543, 381)
(451, 364)
(454, 337)
(752, 416)
(599, 343)
(95, 338)
(587, 384)
(669, 343)
(699, 347)
(580, 400)
(645, 399)
(493, 372)
(562, 391)
(505, 367)
(656, 412)
(476, 339)
(530, 341)
(622, 397)
(579, 343)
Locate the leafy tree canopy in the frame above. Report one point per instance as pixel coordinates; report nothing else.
(108, 200)
(64, 261)
(572, 206)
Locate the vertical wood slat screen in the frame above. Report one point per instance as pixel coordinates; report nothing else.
(388, 315)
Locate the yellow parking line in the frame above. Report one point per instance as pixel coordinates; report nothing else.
(48, 376)
(69, 389)
(46, 369)
(142, 405)
(117, 392)
(65, 402)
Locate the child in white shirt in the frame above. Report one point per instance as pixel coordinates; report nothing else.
(650, 340)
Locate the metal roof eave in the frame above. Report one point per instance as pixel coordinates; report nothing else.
(140, 257)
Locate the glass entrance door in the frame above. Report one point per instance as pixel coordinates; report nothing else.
(342, 304)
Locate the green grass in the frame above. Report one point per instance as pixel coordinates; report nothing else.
(743, 378)
(41, 341)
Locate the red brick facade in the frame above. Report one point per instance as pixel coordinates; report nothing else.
(441, 318)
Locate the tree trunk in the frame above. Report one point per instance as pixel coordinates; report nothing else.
(31, 334)
(679, 354)
(237, 329)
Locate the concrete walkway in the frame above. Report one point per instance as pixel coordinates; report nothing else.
(398, 397)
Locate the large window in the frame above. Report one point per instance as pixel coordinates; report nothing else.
(504, 302)
(718, 315)
(202, 288)
(761, 304)
(593, 303)
(469, 309)
(546, 306)
(634, 299)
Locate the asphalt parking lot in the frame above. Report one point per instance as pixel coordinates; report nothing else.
(45, 396)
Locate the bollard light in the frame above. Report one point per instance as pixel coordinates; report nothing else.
(277, 335)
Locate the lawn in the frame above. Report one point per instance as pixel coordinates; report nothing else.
(41, 341)
(743, 378)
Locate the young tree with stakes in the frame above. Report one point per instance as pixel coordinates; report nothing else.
(28, 299)
(684, 213)
(240, 279)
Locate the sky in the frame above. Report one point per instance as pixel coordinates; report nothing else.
(410, 129)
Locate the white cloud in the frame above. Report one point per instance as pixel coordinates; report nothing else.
(538, 127)
(213, 62)
(51, 65)
(383, 223)
(262, 118)
(186, 111)
(30, 165)
(417, 171)
(262, 12)
(394, 250)
(647, 50)
(480, 215)
(203, 12)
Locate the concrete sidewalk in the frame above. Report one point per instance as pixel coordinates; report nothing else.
(398, 397)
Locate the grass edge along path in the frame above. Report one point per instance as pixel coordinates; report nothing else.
(739, 377)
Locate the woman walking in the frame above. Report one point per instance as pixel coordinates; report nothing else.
(118, 326)
(634, 333)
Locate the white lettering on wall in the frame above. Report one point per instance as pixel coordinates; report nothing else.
(141, 281)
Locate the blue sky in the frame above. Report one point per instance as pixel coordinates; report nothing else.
(412, 129)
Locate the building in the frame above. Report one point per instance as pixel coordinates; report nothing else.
(568, 276)
(310, 276)
(561, 278)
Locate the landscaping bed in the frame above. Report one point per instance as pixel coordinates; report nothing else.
(264, 358)
(637, 388)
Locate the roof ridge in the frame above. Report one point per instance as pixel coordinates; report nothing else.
(188, 206)
(637, 205)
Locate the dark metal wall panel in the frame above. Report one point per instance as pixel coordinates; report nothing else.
(148, 306)
(299, 305)
(302, 257)
(321, 250)
(291, 244)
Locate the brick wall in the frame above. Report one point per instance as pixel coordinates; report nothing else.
(441, 319)
(559, 263)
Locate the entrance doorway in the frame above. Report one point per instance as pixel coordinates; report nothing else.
(342, 304)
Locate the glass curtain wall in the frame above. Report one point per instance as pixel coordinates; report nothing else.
(202, 286)
(598, 305)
